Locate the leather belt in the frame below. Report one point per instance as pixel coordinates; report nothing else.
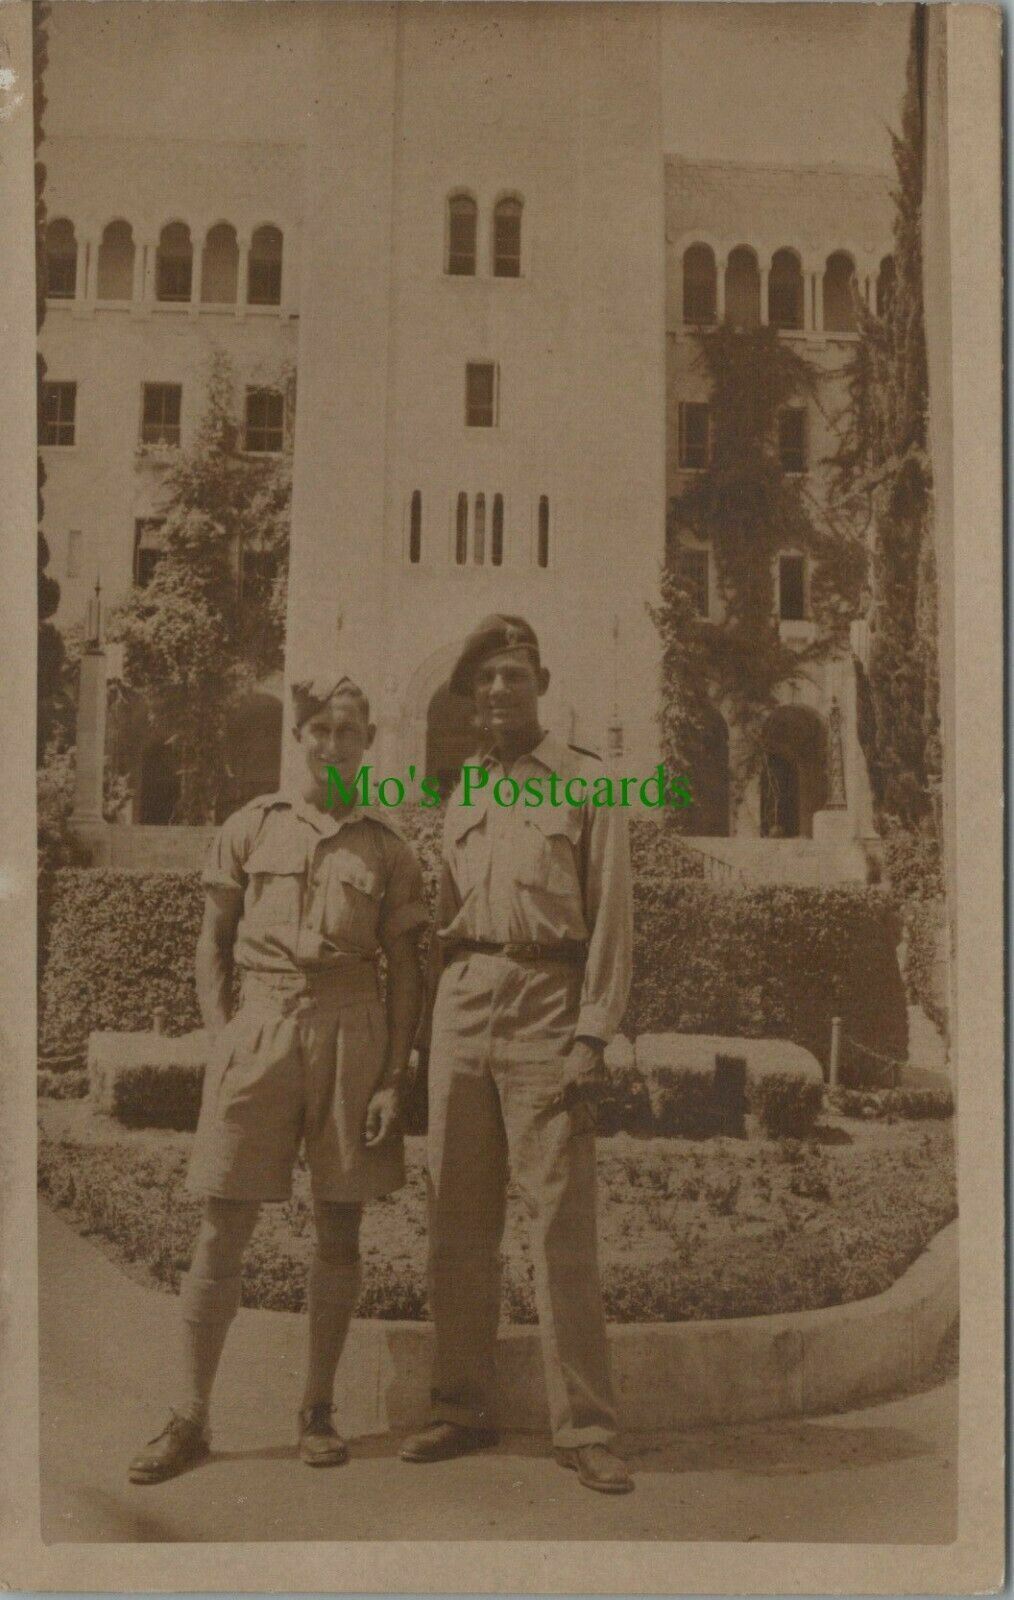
(571, 950)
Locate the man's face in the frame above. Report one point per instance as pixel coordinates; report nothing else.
(337, 736)
(506, 688)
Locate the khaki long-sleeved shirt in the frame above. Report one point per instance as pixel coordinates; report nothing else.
(545, 873)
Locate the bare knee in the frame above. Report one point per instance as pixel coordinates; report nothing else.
(225, 1231)
(337, 1232)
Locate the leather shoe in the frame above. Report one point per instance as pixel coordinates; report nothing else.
(442, 1441)
(319, 1444)
(180, 1445)
(597, 1468)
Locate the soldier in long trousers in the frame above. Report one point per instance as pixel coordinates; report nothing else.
(301, 897)
(534, 941)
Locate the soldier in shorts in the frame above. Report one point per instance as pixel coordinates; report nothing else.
(301, 898)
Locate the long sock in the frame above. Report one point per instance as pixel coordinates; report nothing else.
(332, 1292)
(207, 1307)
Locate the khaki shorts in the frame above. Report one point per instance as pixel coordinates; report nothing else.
(296, 1064)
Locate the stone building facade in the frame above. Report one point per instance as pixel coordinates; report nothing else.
(491, 312)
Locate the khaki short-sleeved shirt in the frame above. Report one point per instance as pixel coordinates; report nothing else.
(316, 886)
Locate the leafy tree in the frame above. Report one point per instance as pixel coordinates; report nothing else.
(883, 472)
(747, 508)
(210, 622)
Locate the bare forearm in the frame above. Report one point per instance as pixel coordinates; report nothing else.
(214, 982)
(404, 1009)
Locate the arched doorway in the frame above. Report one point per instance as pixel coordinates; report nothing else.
(794, 772)
(160, 785)
(451, 737)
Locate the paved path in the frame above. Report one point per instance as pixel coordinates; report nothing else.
(884, 1474)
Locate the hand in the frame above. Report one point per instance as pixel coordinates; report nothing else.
(586, 1075)
(382, 1115)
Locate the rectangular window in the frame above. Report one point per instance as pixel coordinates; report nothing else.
(74, 553)
(265, 421)
(694, 435)
(480, 394)
(542, 532)
(792, 588)
(694, 571)
(149, 548)
(59, 411)
(792, 438)
(461, 529)
(160, 413)
(496, 548)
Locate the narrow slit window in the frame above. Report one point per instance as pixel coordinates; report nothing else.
(496, 547)
(542, 547)
(415, 528)
(461, 530)
(479, 541)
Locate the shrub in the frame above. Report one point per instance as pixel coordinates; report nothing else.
(162, 1095)
(786, 1103)
(913, 1104)
(120, 945)
(72, 1085)
(771, 961)
(683, 1102)
(924, 922)
(625, 1106)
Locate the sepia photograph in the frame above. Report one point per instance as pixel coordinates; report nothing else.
(518, 536)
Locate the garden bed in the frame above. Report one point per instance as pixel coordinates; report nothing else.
(689, 1229)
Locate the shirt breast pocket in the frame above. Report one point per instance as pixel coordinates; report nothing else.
(275, 893)
(354, 901)
(550, 851)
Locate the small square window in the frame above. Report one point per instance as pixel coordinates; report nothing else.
(265, 421)
(694, 572)
(792, 588)
(480, 394)
(694, 435)
(161, 404)
(59, 413)
(792, 439)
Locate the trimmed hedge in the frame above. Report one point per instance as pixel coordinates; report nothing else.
(157, 1096)
(787, 1104)
(749, 962)
(912, 1104)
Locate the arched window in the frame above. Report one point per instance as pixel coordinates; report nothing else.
(542, 546)
(461, 530)
(885, 286)
(700, 281)
(220, 266)
(264, 272)
(174, 263)
(462, 223)
(116, 262)
(742, 288)
(507, 238)
(785, 290)
(415, 527)
(496, 548)
(839, 306)
(61, 260)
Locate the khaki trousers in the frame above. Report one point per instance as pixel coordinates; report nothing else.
(490, 1110)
